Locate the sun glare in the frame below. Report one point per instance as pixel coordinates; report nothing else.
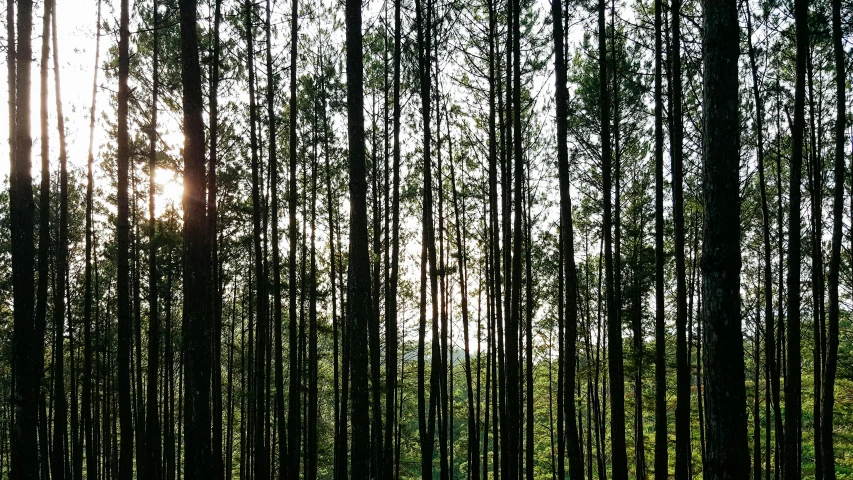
(170, 188)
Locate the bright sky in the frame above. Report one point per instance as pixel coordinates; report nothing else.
(77, 32)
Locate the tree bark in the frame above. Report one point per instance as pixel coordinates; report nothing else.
(728, 454)
(359, 309)
(27, 350)
(391, 332)
(293, 419)
(152, 415)
(661, 446)
(123, 240)
(89, 427)
(682, 409)
(831, 366)
(614, 330)
(215, 279)
(196, 309)
(793, 380)
(60, 313)
(568, 273)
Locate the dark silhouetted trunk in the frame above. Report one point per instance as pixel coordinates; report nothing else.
(125, 334)
(769, 324)
(215, 278)
(293, 418)
(359, 309)
(682, 357)
(568, 273)
(89, 417)
(391, 333)
(614, 327)
(60, 314)
(152, 415)
(727, 453)
(831, 366)
(793, 378)
(196, 308)
(661, 446)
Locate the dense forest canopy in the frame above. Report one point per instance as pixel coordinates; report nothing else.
(427, 239)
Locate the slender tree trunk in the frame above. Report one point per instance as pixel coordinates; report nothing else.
(769, 324)
(495, 236)
(780, 359)
(661, 442)
(614, 330)
(123, 241)
(62, 469)
(311, 470)
(153, 426)
(682, 409)
(473, 459)
(257, 395)
(215, 280)
(293, 419)
(90, 431)
(49, 460)
(756, 409)
(568, 272)
(512, 331)
(196, 314)
(359, 311)
(793, 380)
(831, 366)
(27, 350)
(728, 454)
(423, 20)
(815, 187)
(391, 332)
(276, 257)
(373, 328)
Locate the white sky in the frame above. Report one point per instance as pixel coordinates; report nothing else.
(77, 37)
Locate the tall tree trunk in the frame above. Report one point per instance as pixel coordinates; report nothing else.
(391, 332)
(512, 330)
(49, 460)
(44, 262)
(293, 419)
(756, 408)
(257, 395)
(728, 454)
(661, 442)
(152, 416)
(495, 236)
(59, 295)
(568, 273)
(281, 430)
(196, 314)
(90, 430)
(215, 279)
(311, 419)
(769, 324)
(614, 330)
(682, 409)
(793, 380)
(473, 458)
(423, 20)
(27, 349)
(359, 309)
(831, 366)
(815, 187)
(780, 359)
(123, 240)
(373, 328)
